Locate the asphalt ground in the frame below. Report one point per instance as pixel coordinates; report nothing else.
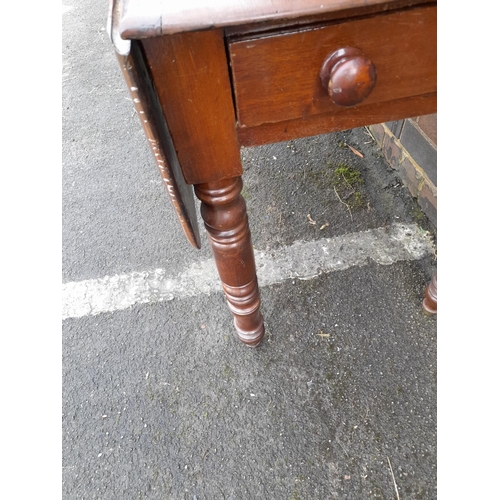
(159, 399)
(101, 157)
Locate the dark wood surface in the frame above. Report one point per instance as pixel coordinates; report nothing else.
(191, 76)
(259, 85)
(271, 26)
(276, 78)
(348, 76)
(158, 137)
(224, 212)
(429, 303)
(346, 118)
(150, 18)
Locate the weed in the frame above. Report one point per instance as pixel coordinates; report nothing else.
(346, 176)
(346, 180)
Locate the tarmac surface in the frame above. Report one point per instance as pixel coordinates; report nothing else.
(160, 400)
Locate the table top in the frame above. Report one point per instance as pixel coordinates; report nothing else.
(191, 67)
(149, 18)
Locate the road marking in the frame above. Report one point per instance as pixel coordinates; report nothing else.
(301, 260)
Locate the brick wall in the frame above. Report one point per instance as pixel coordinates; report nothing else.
(410, 147)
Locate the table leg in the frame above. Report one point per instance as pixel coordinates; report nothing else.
(224, 212)
(429, 303)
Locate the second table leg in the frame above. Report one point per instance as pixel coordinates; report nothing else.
(223, 210)
(429, 303)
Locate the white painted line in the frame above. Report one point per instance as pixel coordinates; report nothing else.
(301, 260)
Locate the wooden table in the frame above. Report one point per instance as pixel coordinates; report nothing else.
(209, 77)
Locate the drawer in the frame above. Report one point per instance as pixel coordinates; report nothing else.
(276, 77)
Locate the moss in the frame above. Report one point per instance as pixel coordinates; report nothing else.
(357, 200)
(346, 176)
(416, 212)
(346, 181)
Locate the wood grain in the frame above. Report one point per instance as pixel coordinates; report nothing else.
(429, 304)
(150, 18)
(349, 11)
(191, 76)
(348, 76)
(158, 137)
(224, 212)
(276, 78)
(348, 118)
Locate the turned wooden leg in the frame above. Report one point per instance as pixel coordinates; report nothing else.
(429, 303)
(224, 211)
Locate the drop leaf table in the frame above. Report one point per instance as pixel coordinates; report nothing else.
(207, 77)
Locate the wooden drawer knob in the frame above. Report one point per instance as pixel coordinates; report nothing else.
(348, 76)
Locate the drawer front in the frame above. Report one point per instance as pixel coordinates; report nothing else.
(277, 77)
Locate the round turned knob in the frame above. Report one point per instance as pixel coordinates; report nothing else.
(349, 76)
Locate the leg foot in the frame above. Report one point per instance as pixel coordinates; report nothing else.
(429, 303)
(223, 210)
